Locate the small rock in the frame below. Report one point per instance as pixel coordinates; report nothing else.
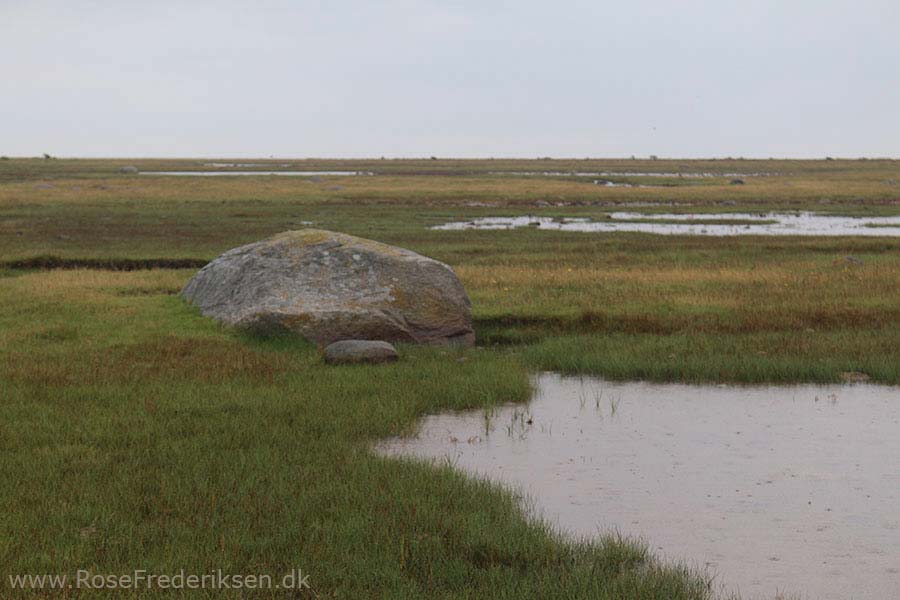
(848, 260)
(542, 203)
(854, 377)
(129, 170)
(348, 352)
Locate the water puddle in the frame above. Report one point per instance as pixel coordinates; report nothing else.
(608, 183)
(801, 223)
(251, 173)
(775, 489)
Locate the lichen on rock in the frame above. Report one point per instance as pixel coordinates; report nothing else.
(328, 286)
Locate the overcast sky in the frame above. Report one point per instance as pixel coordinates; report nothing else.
(463, 78)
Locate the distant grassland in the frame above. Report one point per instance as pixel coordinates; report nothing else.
(137, 434)
(87, 209)
(24, 167)
(753, 298)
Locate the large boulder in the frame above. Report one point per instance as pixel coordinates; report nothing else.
(330, 286)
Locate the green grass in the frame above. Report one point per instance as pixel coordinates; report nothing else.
(137, 434)
(777, 357)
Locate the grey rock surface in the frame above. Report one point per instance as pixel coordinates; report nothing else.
(329, 286)
(359, 351)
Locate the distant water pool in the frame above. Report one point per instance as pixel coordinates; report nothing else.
(801, 223)
(253, 173)
(775, 489)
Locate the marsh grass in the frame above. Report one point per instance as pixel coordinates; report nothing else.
(136, 434)
(877, 225)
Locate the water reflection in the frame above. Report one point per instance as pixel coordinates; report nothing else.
(791, 488)
(717, 224)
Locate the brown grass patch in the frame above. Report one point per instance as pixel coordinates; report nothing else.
(166, 358)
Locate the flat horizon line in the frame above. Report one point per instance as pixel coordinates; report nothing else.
(462, 158)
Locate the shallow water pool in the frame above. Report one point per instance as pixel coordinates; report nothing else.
(774, 489)
(801, 223)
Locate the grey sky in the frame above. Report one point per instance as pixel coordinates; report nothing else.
(455, 78)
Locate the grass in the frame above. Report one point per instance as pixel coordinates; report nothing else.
(172, 444)
(137, 434)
